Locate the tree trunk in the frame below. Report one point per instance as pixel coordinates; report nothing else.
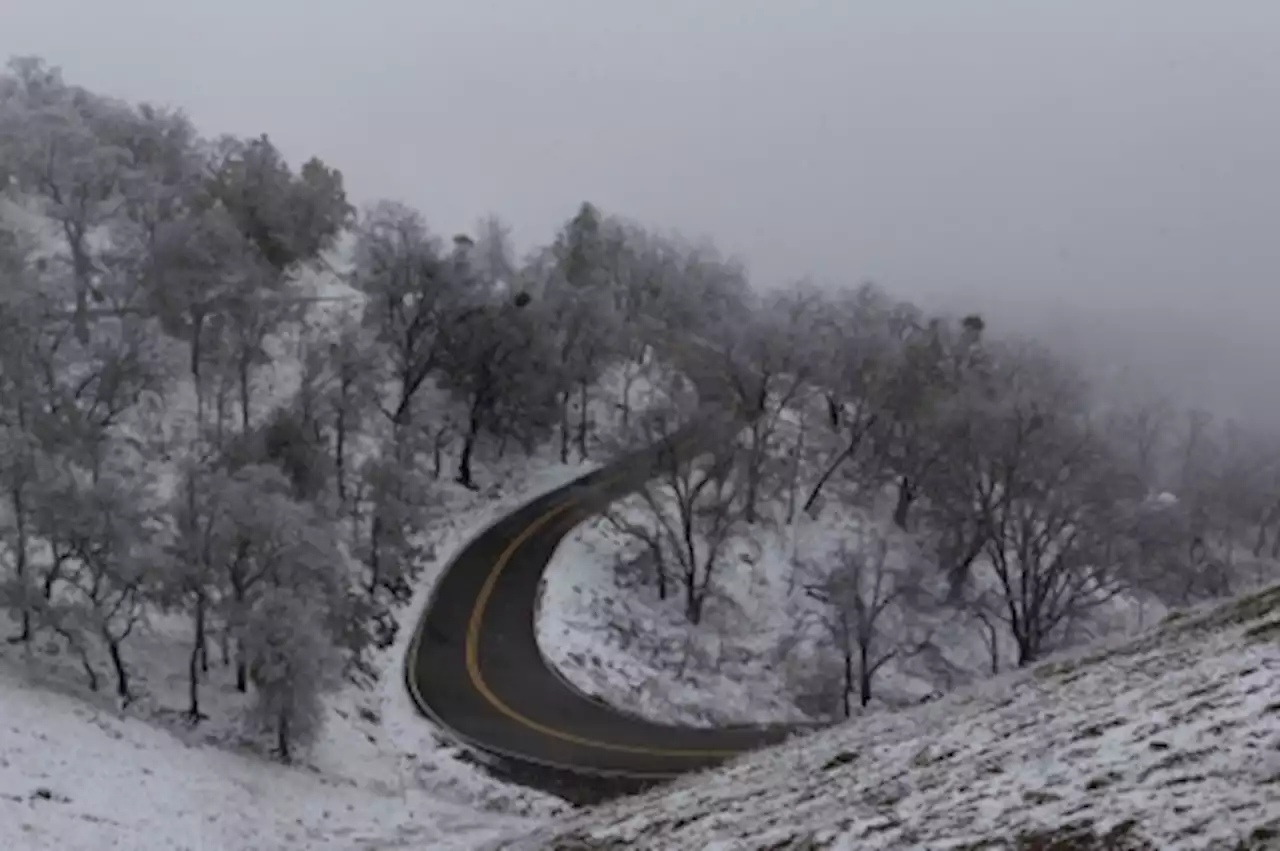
(843, 456)
(957, 567)
(564, 428)
(468, 448)
(117, 664)
(906, 497)
(282, 737)
(340, 448)
(239, 596)
(755, 473)
(20, 562)
(628, 379)
(583, 418)
(375, 550)
(846, 704)
(693, 600)
(864, 675)
(244, 374)
(1028, 651)
(83, 267)
(795, 472)
(438, 443)
(220, 413)
(403, 412)
(196, 356)
(993, 645)
(55, 572)
(193, 663)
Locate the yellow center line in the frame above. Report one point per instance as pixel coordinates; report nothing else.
(476, 624)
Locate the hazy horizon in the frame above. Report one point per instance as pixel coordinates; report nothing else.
(1117, 163)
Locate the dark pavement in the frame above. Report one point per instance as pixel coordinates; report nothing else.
(543, 732)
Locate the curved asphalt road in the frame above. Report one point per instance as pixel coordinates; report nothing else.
(473, 663)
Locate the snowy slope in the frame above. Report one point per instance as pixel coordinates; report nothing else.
(603, 628)
(380, 777)
(763, 652)
(78, 777)
(1169, 741)
(77, 772)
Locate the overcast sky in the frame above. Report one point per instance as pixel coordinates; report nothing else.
(1098, 156)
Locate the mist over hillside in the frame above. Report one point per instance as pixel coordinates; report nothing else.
(1221, 359)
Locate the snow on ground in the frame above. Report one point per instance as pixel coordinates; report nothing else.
(1167, 741)
(412, 741)
(762, 652)
(380, 776)
(602, 626)
(76, 776)
(611, 637)
(78, 772)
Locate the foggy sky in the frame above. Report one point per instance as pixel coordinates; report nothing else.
(1114, 160)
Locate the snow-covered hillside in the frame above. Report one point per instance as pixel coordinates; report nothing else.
(75, 776)
(226, 491)
(78, 772)
(1169, 741)
(762, 651)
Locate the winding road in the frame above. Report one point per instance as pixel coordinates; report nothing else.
(474, 667)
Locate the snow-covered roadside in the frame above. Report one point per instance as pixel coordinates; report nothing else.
(1168, 741)
(380, 774)
(602, 626)
(611, 637)
(760, 655)
(764, 651)
(414, 740)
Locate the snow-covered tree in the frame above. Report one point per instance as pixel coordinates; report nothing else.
(867, 597)
(689, 512)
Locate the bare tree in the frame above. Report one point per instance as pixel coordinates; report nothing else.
(861, 335)
(585, 324)
(688, 513)
(411, 289)
(191, 570)
(1047, 486)
(497, 364)
(864, 596)
(1141, 427)
(20, 352)
(769, 363)
(937, 362)
(104, 528)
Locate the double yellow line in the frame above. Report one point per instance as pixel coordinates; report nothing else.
(475, 674)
